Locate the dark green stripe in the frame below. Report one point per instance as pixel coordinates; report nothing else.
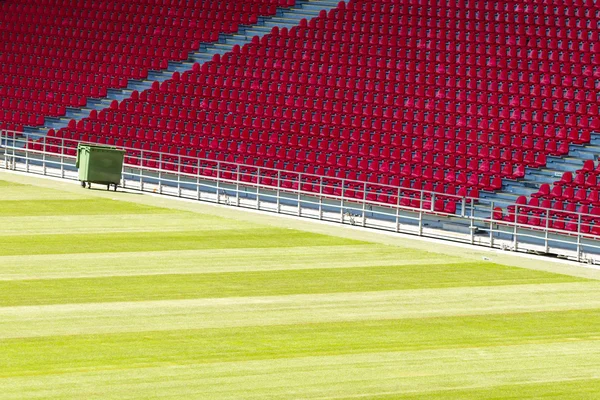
(66, 353)
(162, 241)
(579, 389)
(266, 283)
(81, 207)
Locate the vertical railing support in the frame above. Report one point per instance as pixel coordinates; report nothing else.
(218, 181)
(546, 245)
(142, 170)
(364, 204)
(342, 201)
(578, 237)
(300, 185)
(398, 211)
(237, 186)
(515, 230)
(179, 175)
(278, 191)
(258, 189)
(492, 224)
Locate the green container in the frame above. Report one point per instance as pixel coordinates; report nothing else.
(99, 164)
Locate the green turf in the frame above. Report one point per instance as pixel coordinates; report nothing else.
(264, 283)
(82, 207)
(55, 353)
(108, 299)
(156, 241)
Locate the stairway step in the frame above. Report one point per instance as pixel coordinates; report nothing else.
(258, 31)
(520, 190)
(223, 47)
(317, 6)
(585, 155)
(308, 14)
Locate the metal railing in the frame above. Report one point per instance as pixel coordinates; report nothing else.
(369, 204)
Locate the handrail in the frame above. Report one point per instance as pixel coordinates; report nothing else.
(477, 213)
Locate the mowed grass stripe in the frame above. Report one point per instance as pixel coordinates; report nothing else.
(13, 191)
(53, 266)
(118, 222)
(327, 377)
(266, 283)
(98, 318)
(97, 206)
(160, 241)
(59, 354)
(569, 389)
(7, 183)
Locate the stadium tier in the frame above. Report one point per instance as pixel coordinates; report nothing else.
(448, 97)
(56, 54)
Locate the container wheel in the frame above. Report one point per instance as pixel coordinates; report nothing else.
(115, 187)
(83, 184)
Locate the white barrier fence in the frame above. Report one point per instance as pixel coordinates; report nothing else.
(367, 204)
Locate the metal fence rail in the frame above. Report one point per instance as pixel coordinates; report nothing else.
(367, 204)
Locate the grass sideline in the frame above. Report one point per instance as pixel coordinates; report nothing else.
(118, 296)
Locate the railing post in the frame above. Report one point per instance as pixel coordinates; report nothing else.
(62, 157)
(142, 170)
(472, 229)
(546, 246)
(160, 168)
(4, 146)
(398, 211)
(578, 237)
(278, 191)
(300, 184)
(422, 199)
(342, 201)
(218, 181)
(179, 175)
(515, 240)
(492, 224)
(198, 191)
(472, 218)
(237, 186)
(364, 204)
(320, 197)
(258, 189)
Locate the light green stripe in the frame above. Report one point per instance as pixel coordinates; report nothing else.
(164, 221)
(325, 377)
(264, 283)
(60, 354)
(72, 319)
(55, 266)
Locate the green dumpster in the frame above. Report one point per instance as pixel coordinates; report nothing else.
(99, 164)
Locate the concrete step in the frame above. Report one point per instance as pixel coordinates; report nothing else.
(566, 164)
(178, 66)
(307, 14)
(76, 113)
(258, 31)
(520, 190)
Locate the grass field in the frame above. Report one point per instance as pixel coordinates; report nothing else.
(104, 296)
